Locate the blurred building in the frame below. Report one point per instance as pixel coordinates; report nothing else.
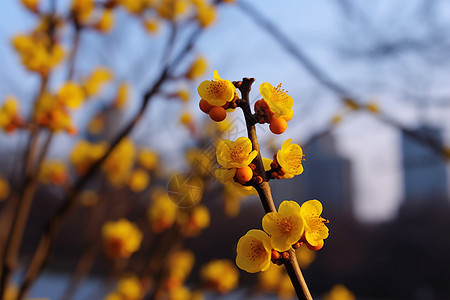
(326, 177)
(425, 174)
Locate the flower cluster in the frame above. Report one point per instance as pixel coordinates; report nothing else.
(121, 238)
(291, 226)
(275, 108)
(10, 117)
(217, 97)
(54, 172)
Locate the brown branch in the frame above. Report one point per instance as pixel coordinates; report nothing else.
(264, 192)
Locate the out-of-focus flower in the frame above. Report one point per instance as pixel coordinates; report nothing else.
(198, 68)
(254, 251)
(133, 6)
(201, 161)
(151, 25)
(195, 221)
(128, 288)
(54, 172)
(121, 238)
(373, 107)
(172, 9)
(118, 164)
(186, 190)
(89, 198)
(280, 103)
(315, 229)
(161, 212)
(339, 292)
(290, 158)
(180, 266)
(32, 5)
(217, 92)
(220, 275)
(305, 256)
(139, 180)
(206, 14)
(106, 21)
(285, 227)
(4, 189)
(351, 104)
(10, 117)
(37, 52)
(51, 113)
(11, 292)
(70, 95)
(96, 80)
(82, 9)
(148, 159)
(183, 94)
(235, 154)
(269, 281)
(122, 96)
(84, 154)
(179, 293)
(186, 119)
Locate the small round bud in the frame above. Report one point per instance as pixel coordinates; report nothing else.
(285, 255)
(244, 174)
(252, 166)
(278, 125)
(217, 113)
(205, 106)
(275, 255)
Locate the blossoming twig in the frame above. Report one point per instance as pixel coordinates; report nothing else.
(263, 188)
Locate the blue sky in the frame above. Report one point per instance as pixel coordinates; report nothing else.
(237, 48)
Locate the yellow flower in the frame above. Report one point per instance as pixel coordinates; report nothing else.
(151, 25)
(54, 172)
(37, 52)
(11, 292)
(290, 158)
(70, 95)
(161, 212)
(132, 6)
(139, 180)
(106, 22)
(226, 176)
(216, 92)
(339, 292)
(186, 119)
(235, 154)
(122, 95)
(172, 9)
(31, 4)
(179, 293)
(285, 227)
(122, 238)
(119, 163)
(186, 190)
(221, 275)
(82, 9)
(84, 154)
(4, 189)
(96, 80)
(148, 159)
(183, 94)
(279, 102)
(351, 104)
(180, 265)
(9, 114)
(373, 107)
(198, 68)
(206, 14)
(195, 221)
(315, 229)
(254, 251)
(128, 288)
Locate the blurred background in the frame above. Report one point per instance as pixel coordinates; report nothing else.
(371, 111)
